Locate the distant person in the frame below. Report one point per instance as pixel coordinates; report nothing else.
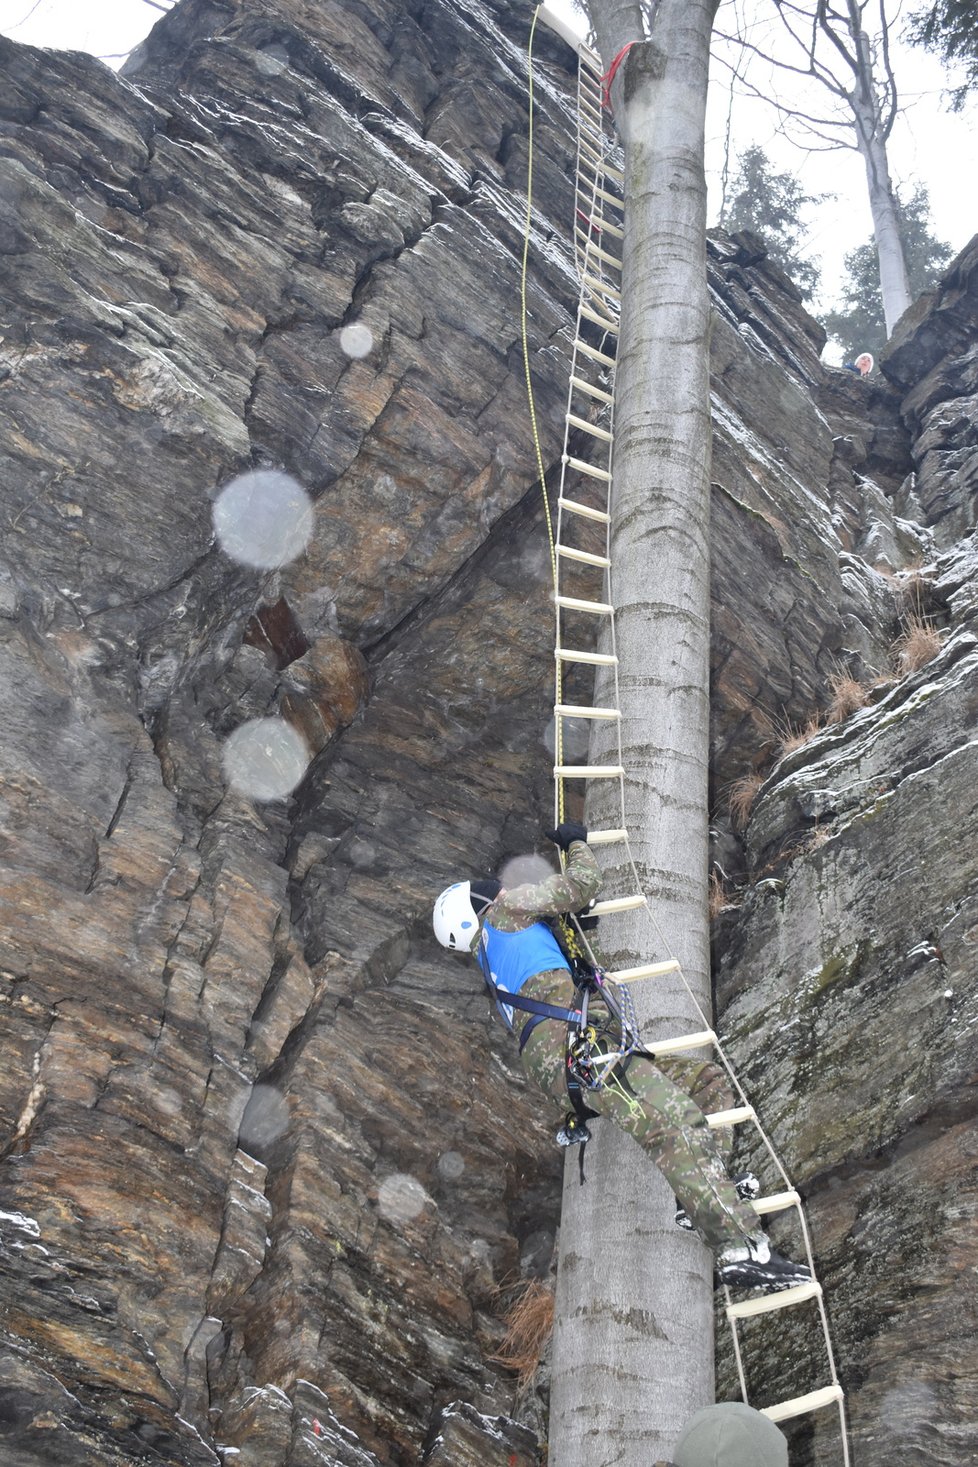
(863, 364)
(729, 1435)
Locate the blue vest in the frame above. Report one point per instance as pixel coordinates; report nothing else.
(510, 958)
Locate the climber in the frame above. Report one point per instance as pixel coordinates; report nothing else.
(730, 1434)
(530, 977)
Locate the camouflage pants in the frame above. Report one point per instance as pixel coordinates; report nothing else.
(662, 1107)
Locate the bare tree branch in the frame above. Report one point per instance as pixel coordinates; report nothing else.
(827, 30)
(19, 23)
(844, 124)
(890, 82)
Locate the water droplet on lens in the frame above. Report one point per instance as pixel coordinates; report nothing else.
(265, 759)
(272, 60)
(266, 1117)
(521, 870)
(263, 519)
(451, 1165)
(356, 339)
(401, 1197)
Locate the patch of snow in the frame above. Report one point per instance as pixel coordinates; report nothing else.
(488, 1424)
(25, 1224)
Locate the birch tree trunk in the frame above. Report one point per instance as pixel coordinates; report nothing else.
(633, 1347)
(871, 141)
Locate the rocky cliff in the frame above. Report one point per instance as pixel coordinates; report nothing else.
(269, 1173)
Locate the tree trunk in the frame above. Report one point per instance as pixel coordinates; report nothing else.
(894, 280)
(633, 1353)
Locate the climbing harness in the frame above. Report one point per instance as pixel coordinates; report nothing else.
(597, 1048)
(580, 545)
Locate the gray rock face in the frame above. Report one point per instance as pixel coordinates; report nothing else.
(266, 1164)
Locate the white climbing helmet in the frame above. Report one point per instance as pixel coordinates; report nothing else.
(454, 920)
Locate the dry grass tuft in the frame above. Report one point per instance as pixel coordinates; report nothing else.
(717, 898)
(918, 645)
(529, 1321)
(848, 696)
(795, 738)
(742, 795)
(819, 836)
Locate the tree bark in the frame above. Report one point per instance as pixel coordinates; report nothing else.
(633, 1352)
(894, 280)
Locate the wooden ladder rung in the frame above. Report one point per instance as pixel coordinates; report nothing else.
(586, 427)
(588, 771)
(592, 471)
(604, 225)
(593, 353)
(584, 710)
(595, 191)
(589, 153)
(592, 391)
(601, 287)
(590, 248)
(700, 1040)
(588, 149)
(574, 506)
(590, 135)
(735, 1116)
(784, 1299)
(606, 837)
(596, 608)
(777, 1202)
(584, 556)
(605, 322)
(598, 659)
(645, 970)
(615, 904)
(799, 1405)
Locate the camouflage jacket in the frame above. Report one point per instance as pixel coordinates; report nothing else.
(565, 891)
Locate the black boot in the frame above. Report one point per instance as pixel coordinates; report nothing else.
(754, 1264)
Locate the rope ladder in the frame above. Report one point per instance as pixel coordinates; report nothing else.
(581, 553)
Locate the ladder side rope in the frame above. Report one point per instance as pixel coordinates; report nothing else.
(597, 304)
(525, 339)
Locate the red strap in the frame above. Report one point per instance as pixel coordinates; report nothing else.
(609, 75)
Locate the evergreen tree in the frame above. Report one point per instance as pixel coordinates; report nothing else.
(858, 324)
(770, 204)
(950, 27)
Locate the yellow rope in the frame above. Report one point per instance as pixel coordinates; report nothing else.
(558, 729)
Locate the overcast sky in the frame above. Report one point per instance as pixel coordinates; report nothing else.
(929, 144)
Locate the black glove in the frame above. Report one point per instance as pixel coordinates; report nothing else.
(569, 831)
